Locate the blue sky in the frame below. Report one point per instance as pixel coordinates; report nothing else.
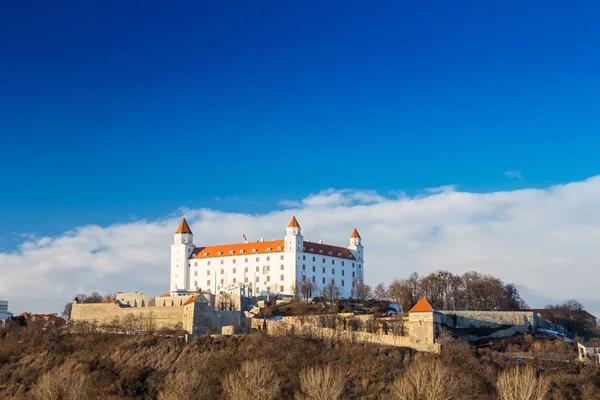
(122, 110)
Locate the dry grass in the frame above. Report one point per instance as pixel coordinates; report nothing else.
(253, 380)
(425, 379)
(186, 384)
(522, 383)
(68, 382)
(321, 383)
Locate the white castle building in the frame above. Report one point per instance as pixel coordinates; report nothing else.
(255, 268)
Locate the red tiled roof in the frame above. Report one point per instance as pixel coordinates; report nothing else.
(247, 248)
(109, 301)
(166, 295)
(263, 248)
(355, 234)
(335, 250)
(183, 227)
(294, 223)
(422, 306)
(191, 299)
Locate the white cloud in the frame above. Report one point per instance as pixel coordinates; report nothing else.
(513, 174)
(545, 241)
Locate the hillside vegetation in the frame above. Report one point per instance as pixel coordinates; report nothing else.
(48, 365)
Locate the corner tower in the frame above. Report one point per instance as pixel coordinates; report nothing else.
(293, 238)
(356, 246)
(181, 250)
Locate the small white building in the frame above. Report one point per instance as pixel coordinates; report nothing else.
(264, 266)
(4, 314)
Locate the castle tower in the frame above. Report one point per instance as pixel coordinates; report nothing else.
(356, 246)
(293, 238)
(181, 250)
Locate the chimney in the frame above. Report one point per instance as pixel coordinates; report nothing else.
(320, 242)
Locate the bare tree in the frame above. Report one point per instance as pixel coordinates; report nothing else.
(425, 379)
(380, 292)
(570, 305)
(522, 383)
(187, 384)
(363, 292)
(321, 383)
(330, 292)
(254, 380)
(67, 382)
(306, 289)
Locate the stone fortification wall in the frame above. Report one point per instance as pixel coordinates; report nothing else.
(107, 314)
(295, 327)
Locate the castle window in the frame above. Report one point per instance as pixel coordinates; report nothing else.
(313, 268)
(222, 271)
(208, 272)
(332, 261)
(282, 267)
(303, 248)
(304, 257)
(359, 266)
(332, 271)
(222, 262)
(281, 288)
(281, 278)
(339, 255)
(268, 267)
(234, 260)
(234, 281)
(330, 253)
(205, 254)
(281, 257)
(268, 278)
(208, 263)
(323, 280)
(246, 269)
(354, 276)
(323, 261)
(246, 260)
(207, 283)
(269, 250)
(196, 264)
(246, 280)
(195, 273)
(222, 281)
(219, 253)
(257, 269)
(254, 250)
(241, 251)
(257, 259)
(313, 279)
(304, 268)
(195, 283)
(231, 253)
(323, 269)
(342, 263)
(234, 270)
(342, 272)
(303, 277)
(314, 259)
(352, 265)
(268, 258)
(342, 283)
(333, 281)
(320, 251)
(257, 279)
(311, 250)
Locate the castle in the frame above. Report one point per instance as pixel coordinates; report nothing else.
(263, 267)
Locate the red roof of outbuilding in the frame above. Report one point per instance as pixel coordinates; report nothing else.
(191, 299)
(422, 305)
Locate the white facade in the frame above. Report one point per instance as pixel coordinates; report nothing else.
(265, 266)
(4, 314)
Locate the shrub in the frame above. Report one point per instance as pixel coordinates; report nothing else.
(68, 382)
(321, 383)
(425, 379)
(254, 380)
(185, 385)
(520, 383)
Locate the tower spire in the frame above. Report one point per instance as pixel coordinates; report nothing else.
(294, 223)
(355, 234)
(183, 227)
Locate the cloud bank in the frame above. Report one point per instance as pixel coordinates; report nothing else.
(543, 240)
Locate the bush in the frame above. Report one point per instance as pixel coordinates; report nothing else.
(68, 382)
(321, 384)
(185, 385)
(425, 379)
(522, 383)
(254, 380)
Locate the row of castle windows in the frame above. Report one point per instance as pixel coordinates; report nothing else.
(267, 279)
(235, 261)
(266, 268)
(314, 280)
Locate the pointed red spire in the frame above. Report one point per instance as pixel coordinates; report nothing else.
(355, 234)
(183, 227)
(294, 223)
(422, 305)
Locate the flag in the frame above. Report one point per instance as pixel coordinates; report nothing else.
(244, 236)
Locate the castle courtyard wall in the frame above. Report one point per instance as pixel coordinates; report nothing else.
(105, 314)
